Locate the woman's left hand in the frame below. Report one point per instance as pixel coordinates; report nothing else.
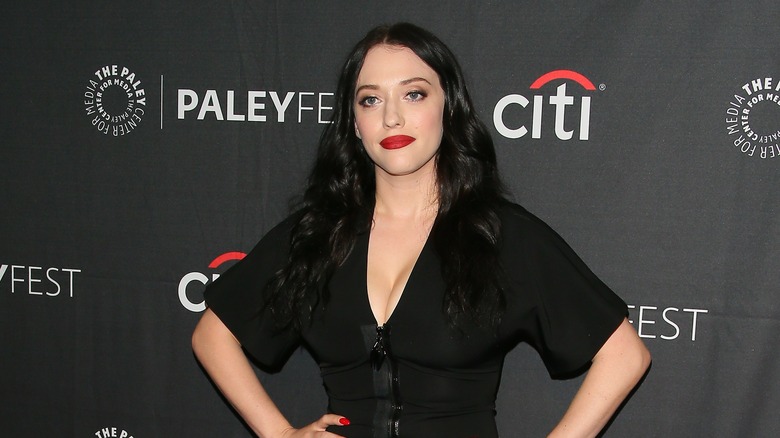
(615, 370)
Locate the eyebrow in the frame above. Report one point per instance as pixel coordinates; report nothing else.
(404, 82)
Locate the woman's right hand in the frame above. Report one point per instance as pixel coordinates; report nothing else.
(221, 355)
(318, 428)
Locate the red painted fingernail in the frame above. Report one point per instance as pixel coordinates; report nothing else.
(344, 421)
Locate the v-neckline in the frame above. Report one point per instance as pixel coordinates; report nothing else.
(409, 281)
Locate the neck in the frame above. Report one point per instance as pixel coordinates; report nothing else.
(407, 197)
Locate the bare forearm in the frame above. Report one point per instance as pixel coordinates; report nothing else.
(615, 371)
(224, 360)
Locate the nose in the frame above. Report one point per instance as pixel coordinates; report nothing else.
(392, 115)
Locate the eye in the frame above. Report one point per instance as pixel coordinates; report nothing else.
(416, 95)
(368, 101)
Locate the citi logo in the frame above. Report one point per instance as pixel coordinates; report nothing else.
(185, 288)
(567, 107)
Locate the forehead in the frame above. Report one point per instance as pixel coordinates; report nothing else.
(386, 65)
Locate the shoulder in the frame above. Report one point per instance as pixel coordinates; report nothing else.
(282, 231)
(249, 275)
(526, 238)
(512, 214)
(518, 225)
(274, 246)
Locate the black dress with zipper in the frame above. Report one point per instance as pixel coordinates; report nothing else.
(415, 376)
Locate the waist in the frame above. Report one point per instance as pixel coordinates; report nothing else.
(423, 425)
(425, 402)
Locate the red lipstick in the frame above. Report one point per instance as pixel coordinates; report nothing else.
(396, 141)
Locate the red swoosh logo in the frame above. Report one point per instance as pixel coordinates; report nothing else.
(563, 74)
(226, 257)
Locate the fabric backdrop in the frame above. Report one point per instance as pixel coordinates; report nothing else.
(147, 145)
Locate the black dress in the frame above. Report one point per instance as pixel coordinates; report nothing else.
(432, 381)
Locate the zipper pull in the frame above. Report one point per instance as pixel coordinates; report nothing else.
(378, 351)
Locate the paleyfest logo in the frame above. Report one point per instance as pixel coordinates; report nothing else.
(115, 100)
(753, 118)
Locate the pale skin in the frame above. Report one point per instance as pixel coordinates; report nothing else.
(398, 94)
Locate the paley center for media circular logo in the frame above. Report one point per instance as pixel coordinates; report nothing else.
(115, 100)
(753, 118)
(113, 432)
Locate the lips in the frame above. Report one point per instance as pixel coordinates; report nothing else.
(396, 141)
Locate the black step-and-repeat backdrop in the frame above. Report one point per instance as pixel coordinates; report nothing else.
(147, 146)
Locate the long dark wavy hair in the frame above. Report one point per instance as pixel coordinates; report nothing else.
(338, 203)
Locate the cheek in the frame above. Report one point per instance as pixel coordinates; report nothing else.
(431, 117)
(362, 126)
(432, 123)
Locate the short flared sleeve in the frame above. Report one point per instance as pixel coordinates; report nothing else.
(555, 302)
(236, 297)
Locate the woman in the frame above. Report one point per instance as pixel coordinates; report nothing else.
(409, 276)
